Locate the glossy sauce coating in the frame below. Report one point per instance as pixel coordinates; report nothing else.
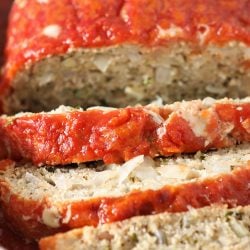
(61, 26)
(121, 134)
(231, 189)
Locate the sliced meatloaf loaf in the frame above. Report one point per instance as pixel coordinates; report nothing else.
(43, 201)
(119, 53)
(210, 228)
(67, 135)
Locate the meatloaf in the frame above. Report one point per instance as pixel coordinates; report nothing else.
(210, 228)
(43, 201)
(68, 135)
(119, 53)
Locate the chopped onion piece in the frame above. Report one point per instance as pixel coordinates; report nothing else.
(175, 171)
(126, 169)
(102, 63)
(157, 102)
(63, 182)
(239, 229)
(102, 108)
(160, 236)
(32, 178)
(146, 170)
(104, 176)
(156, 117)
(215, 165)
(162, 75)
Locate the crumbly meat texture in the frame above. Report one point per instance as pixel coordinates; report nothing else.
(68, 135)
(210, 228)
(42, 201)
(112, 56)
(127, 75)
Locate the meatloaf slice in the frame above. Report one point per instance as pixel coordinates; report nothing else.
(210, 228)
(43, 201)
(119, 53)
(67, 135)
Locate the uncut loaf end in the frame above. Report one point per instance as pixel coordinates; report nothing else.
(93, 53)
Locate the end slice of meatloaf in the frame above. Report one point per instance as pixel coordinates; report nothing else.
(68, 135)
(210, 228)
(43, 201)
(119, 53)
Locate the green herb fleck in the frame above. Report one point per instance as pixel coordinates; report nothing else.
(147, 80)
(202, 157)
(134, 238)
(229, 213)
(237, 215)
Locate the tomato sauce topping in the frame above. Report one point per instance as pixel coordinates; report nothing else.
(119, 135)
